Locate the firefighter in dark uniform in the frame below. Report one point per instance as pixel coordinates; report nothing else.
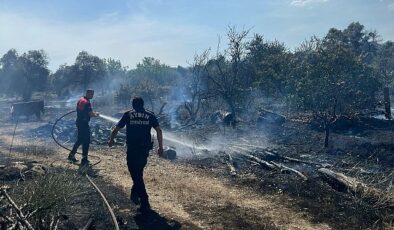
(84, 113)
(138, 124)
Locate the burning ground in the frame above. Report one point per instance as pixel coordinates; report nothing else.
(250, 177)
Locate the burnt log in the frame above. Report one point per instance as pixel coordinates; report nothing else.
(284, 168)
(274, 155)
(263, 163)
(19, 170)
(230, 163)
(12, 172)
(343, 183)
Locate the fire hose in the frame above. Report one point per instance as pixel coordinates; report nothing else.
(115, 222)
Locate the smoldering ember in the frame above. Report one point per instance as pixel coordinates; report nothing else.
(255, 135)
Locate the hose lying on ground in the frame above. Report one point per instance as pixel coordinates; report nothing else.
(87, 176)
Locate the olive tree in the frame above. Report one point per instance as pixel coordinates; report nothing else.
(330, 81)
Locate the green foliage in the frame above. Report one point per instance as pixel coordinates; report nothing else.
(22, 75)
(269, 65)
(330, 79)
(114, 68)
(151, 80)
(333, 80)
(62, 79)
(88, 71)
(123, 94)
(11, 70)
(151, 69)
(385, 63)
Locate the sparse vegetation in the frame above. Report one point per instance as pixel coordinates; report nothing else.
(42, 200)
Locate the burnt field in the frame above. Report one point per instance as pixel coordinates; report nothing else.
(258, 174)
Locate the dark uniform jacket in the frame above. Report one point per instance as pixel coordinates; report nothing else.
(138, 127)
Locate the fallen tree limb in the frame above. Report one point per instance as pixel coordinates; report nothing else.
(162, 108)
(185, 126)
(6, 218)
(89, 224)
(270, 153)
(345, 183)
(274, 166)
(230, 164)
(341, 182)
(19, 213)
(290, 158)
(285, 168)
(247, 160)
(260, 161)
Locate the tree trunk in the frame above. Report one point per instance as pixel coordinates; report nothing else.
(327, 131)
(151, 104)
(387, 108)
(27, 93)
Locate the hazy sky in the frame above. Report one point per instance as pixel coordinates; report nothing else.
(173, 30)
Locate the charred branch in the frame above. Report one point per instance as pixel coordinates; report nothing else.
(345, 183)
(230, 163)
(285, 168)
(19, 213)
(89, 224)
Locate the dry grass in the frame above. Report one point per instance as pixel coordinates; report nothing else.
(381, 201)
(43, 199)
(191, 196)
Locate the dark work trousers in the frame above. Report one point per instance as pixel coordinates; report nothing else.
(83, 139)
(137, 158)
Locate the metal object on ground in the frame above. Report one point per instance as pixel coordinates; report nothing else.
(169, 153)
(27, 109)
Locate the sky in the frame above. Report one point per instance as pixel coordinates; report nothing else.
(173, 31)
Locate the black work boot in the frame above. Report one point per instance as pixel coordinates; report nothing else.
(85, 161)
(71, 158)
